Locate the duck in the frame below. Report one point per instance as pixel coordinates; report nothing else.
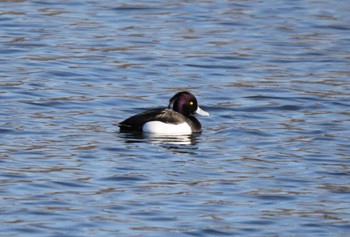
(177, 119)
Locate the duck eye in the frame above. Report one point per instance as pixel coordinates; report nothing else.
(191, 102)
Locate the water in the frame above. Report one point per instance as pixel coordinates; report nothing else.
(273, 159)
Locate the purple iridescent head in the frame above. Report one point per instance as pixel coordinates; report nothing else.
(186, 103)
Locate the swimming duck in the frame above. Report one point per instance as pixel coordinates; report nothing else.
(176, 119)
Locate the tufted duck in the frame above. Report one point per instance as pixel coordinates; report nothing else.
(177, 119)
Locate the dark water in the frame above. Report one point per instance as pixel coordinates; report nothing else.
(273, 159)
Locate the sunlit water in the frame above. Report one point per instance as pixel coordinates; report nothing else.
(273, 159)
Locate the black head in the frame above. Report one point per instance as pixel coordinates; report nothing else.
(186, 103)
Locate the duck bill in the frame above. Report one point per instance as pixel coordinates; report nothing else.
(202, 112)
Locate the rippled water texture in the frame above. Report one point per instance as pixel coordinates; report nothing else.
(273, 159)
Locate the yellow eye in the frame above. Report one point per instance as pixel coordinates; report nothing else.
(191, 102)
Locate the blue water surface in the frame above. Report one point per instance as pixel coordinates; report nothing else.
(273, 158)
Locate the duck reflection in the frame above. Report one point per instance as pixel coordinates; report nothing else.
(180, 144)
(140, 137)
(171, 139)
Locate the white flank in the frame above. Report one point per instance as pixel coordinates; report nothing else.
(166, 128)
